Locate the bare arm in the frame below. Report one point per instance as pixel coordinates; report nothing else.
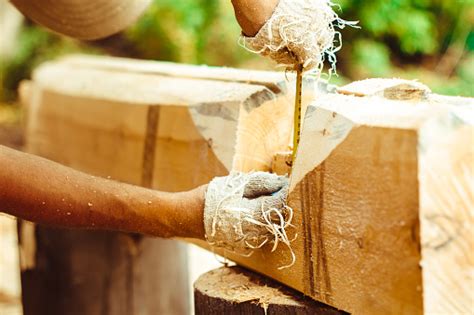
(45, 192)
(252, 14)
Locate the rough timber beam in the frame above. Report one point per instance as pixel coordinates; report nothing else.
(367, 156)
(362, 183)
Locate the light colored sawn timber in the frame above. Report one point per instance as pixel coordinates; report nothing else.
(356, 196)
(270, 122)
(275, 81)
(397, 89)
(367, 218)
(354, 187)
(446, 181)
(354, 193)
(359, 204)
(96, 120)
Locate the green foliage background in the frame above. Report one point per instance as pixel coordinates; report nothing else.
(430, 40)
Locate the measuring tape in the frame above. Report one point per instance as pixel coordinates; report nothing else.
(298, 102)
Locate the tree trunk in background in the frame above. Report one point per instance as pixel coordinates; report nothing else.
(86, 272)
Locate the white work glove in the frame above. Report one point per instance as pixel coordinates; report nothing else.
(300, 32)
(243, 212)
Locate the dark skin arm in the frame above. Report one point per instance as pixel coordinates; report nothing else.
(45, 192)
(42, 191)
(252, 14)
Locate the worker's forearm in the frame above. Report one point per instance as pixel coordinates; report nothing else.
(45, 192)
(252, 14)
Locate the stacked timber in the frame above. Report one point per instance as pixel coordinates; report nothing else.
(381, 187)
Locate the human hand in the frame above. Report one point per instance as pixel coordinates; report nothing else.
(243, 212)
(292, 32)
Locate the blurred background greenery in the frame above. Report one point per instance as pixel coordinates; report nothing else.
(429, 40)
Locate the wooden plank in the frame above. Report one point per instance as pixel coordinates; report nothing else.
(446, 179)
(80, 272)
(194, 114)
(138, 88)
(10, 289)
(77, 272)
(237, 291)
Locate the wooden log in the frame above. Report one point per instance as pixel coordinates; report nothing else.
(235, 291)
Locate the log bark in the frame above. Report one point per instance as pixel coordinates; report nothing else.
(236, 291)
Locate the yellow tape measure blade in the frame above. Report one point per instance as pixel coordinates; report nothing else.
(298, 109)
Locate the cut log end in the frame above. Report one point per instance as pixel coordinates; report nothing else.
(238, 291)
